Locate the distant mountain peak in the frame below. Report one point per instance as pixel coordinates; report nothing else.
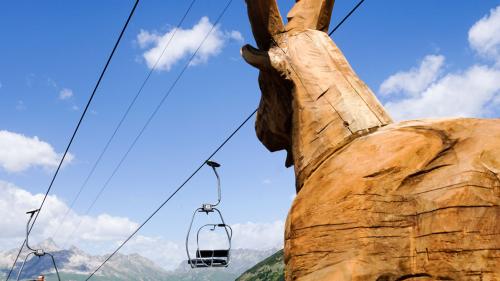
(48, 245)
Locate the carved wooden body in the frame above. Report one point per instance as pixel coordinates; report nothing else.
(372, 196)
(417, 200)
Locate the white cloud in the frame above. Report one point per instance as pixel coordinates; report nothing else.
(103, 233)
(14, 202)
(473, 92)
(19, 152)
(467, 94)
(260, 236)
(484, 36)
(235, 35)
(416, 79)
(165, 253)
(249, 235)
(65, 94)
(184, 43)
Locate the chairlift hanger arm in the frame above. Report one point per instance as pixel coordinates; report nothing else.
(22, 266)
(32, 212)
(28, 227)
(38, 252)
(189, 231)
(55, 266)
(214, 166)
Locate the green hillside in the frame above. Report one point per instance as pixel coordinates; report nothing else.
(270, 269)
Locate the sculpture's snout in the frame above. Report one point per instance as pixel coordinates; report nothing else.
(255, 57)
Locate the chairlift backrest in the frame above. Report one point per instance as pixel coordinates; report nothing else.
(212, 253)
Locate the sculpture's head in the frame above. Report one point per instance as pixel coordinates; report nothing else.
(278, 85)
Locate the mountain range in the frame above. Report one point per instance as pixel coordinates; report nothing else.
(76, 265)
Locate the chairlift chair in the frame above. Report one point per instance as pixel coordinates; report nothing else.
(36, 252)
(205, 258)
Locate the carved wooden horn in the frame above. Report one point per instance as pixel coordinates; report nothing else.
(266, 21)
(310, 14)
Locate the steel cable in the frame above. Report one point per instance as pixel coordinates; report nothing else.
(75, 131)
(194, 172)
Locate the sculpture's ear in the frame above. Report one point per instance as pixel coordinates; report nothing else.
(266, 21)
(310, 14)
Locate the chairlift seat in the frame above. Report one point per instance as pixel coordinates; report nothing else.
(212, 254)
(210, 258)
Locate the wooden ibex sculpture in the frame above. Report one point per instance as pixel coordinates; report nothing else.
(418, 200)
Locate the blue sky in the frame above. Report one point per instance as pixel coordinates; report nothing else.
(422, 58)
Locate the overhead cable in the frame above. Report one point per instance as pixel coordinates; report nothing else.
(76, 130)
(346, 17)
(202, 164)
(153, 114)
(192, 174)
(125, 114)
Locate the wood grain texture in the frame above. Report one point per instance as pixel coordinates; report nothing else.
(417, 200)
